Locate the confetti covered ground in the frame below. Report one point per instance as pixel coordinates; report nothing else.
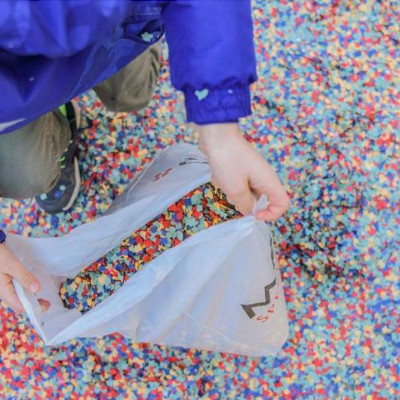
(327, 117)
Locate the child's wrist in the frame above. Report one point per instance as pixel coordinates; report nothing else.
(216, 135)
(218, 129)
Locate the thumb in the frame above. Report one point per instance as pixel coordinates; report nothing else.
(278, 199)
(27, 279)
(242, 198)
(279, 202)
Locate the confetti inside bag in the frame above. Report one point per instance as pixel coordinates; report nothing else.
(200, 209)
(171, 262)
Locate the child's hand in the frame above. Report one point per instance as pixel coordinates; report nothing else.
(11, 267)
(241, 172)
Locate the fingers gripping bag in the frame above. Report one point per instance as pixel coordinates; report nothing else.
(171, 262)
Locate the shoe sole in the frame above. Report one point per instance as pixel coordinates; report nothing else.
(77, 185)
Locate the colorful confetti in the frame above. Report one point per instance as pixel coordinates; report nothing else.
(327, 117)
(200, 209)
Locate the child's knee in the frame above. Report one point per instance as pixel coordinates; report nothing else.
(127, 101)
(28, 183)
(29, 157)
(132, 88)
(131, 100)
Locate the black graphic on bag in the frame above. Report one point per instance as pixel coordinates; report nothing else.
(249, 307)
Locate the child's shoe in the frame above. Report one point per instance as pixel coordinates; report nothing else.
(63, 195)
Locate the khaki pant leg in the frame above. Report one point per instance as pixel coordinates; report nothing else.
(29, 156)
(132, 88)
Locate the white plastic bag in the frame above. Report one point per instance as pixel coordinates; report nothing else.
(218, 290)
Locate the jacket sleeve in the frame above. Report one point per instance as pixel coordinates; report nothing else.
(212, 57)
(56, 28)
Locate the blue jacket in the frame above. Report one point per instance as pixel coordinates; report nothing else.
(51, 51)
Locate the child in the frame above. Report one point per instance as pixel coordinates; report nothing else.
(53, 51)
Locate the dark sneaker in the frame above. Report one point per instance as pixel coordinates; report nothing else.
(63, 195)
